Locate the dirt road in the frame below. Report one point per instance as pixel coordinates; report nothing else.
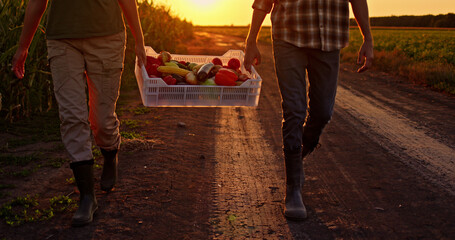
(385, 170)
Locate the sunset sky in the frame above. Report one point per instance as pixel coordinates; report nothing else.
(238, 12)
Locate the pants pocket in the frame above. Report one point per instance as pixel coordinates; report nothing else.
(58, 65)
(112, 73)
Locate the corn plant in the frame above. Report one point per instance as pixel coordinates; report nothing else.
(22, 97)
(162, 31)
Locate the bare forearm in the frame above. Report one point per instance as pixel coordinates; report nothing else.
(129, 9)
(33, 13)
(360, 10)
(256, 23)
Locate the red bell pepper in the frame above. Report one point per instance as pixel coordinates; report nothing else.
(225, 77)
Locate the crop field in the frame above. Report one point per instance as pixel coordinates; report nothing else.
(424, 56)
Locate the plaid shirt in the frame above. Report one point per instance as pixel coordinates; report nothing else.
(320, 24)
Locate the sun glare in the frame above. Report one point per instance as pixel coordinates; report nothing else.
(203, 3)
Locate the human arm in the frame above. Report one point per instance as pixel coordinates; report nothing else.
(33, 13)
(129, 8)
(252, 54)
(360, 10)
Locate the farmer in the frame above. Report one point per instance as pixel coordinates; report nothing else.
(86, 46)
(307, 38)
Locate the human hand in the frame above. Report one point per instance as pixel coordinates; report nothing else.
(366, 56)
(141, 55)
(18, 64)
(252, 56)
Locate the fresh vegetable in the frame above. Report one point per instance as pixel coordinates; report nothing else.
(214, 71)
(204, 71)
(192, 65)
(217, 61)
(191, 78)
(170, 70)
(171, 64)
(169, 80)
(210, 82)
(175, 72)
(224, 77)
(152, 69)
(234, 63)
(178, 78)
(180, 65)
(164, 56)
(152, 60)
(152, 65)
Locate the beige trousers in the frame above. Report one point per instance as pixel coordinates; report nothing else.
(97, 64)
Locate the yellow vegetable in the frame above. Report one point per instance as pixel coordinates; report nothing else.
(174, 70)
(196, 68)
(171, 64)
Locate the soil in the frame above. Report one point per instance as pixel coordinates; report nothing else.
(385, 168)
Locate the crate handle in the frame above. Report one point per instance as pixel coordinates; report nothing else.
(234, 53)
(150, 51)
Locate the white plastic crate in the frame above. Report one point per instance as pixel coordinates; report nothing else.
(156, 93)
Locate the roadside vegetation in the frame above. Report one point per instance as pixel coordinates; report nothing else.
(421, 55)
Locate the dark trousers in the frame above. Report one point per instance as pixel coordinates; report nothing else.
(307, 108)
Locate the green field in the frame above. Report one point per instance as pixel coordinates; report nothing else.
(424, 56)
(417, 44)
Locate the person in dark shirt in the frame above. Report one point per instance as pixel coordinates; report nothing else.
(86, 47)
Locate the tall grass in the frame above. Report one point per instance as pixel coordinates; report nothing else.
(34, 93)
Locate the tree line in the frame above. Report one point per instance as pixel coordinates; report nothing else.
(437, 21)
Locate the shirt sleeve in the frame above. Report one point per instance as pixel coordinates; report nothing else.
(264, 5)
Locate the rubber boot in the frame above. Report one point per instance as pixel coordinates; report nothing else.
(294, 207)
(110, 172)
(83, 173)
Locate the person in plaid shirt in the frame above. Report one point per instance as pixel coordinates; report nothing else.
(307, 38)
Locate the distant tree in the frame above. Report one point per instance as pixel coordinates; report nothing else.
(441, 21)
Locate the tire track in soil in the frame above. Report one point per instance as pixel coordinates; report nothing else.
(402, 138)
(249, 187)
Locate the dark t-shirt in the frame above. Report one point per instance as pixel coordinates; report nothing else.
(83, 18)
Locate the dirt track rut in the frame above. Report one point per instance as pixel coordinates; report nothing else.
(249, 186)
(401, 137)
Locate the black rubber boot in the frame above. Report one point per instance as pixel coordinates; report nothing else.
(110, 172)
(83, 173)
(294, 207)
